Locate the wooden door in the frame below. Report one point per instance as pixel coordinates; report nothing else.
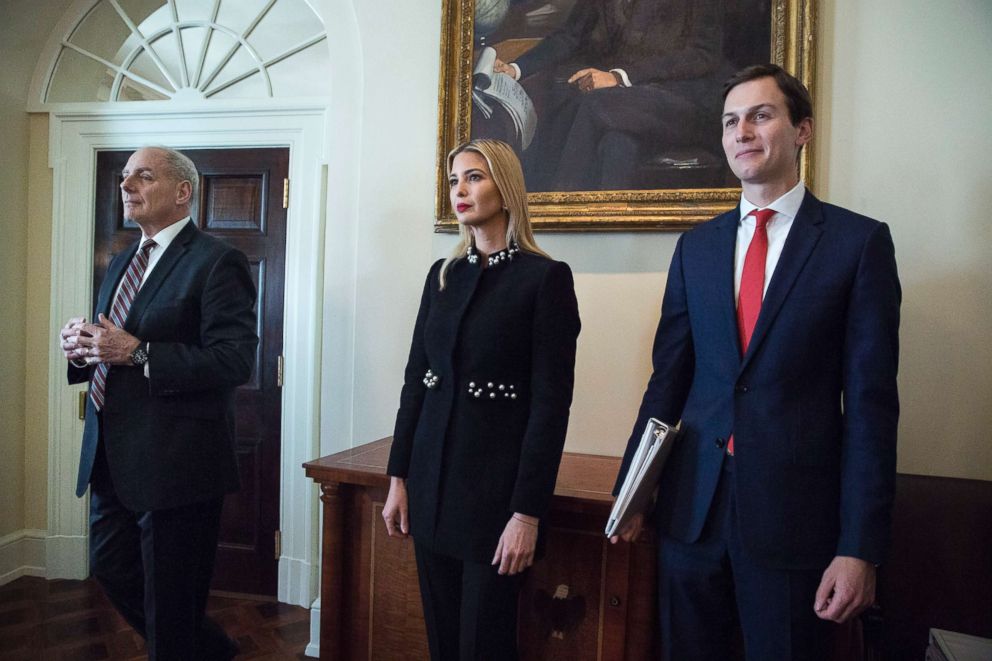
(241, 202)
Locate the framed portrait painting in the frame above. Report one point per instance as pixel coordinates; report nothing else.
(613, 106)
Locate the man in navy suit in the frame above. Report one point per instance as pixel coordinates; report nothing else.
(778, 350)
(173, 336)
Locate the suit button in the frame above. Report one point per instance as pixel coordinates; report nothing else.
(720, 443)
(741, 388)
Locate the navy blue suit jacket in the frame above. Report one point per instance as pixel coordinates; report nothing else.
(812, 405)
(169, 439)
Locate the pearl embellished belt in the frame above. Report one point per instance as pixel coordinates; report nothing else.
(492, 390)
(479, 388)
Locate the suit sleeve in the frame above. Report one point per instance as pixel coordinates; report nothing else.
(562, 43)
(871, 402)
(673, 360)
(412, 393)
(225, 353)
(555, 332)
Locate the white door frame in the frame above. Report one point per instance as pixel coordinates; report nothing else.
(75, 137)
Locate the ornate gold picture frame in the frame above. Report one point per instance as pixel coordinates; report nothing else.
(791, 44)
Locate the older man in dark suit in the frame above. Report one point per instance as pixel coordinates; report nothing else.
(173, 336)
(777, 349)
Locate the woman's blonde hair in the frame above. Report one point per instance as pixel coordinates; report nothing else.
(509, 179)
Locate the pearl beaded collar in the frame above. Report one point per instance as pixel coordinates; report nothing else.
(504, 255)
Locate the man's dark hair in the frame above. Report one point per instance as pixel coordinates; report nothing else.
(797, 97)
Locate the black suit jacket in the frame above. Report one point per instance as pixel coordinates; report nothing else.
(487, 439)
(813, 403)
(169, 438)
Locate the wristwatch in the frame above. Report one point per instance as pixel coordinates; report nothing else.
(140, 355)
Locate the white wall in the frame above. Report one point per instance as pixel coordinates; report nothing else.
(379, 211)
(905, 97)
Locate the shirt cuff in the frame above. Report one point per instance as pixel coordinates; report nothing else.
(623, 75)
(148, 350)
(516, 68)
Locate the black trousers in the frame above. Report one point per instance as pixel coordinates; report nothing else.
(469, 609)
(155, 568)
(709, 588)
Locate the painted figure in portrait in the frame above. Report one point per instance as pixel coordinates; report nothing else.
(601, 95)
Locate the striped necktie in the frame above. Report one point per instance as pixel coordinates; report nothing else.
(118, 313)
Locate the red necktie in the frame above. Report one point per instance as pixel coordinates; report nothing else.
(752, 284)
(118, 313)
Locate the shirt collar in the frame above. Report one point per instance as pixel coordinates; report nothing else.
(787, 205)
(165, 236)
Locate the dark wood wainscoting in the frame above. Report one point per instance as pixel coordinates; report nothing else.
(939, 572)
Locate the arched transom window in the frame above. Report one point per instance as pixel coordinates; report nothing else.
(138, 50)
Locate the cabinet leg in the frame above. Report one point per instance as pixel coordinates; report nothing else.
(332, 573)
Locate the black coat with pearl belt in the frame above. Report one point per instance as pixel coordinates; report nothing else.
(485, 399)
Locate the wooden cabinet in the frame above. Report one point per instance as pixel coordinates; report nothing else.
(586, 599)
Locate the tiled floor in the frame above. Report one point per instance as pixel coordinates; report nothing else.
(73, 621)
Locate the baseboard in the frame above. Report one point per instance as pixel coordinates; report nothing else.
(313, 648)
(22, 553)
(66, 556)
(297, 582)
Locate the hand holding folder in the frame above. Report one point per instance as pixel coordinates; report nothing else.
(639, 486)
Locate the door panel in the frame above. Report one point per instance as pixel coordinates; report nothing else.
(240, 201)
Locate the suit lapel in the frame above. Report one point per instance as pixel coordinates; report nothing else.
(171, 257)
(799, 245)
(723, 279)
(115, 271)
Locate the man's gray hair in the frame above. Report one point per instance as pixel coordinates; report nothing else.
(181, 168)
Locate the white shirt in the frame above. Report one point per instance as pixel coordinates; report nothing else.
(162, 241)
(786, 208)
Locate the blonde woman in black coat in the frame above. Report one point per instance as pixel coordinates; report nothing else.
(483, 410)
